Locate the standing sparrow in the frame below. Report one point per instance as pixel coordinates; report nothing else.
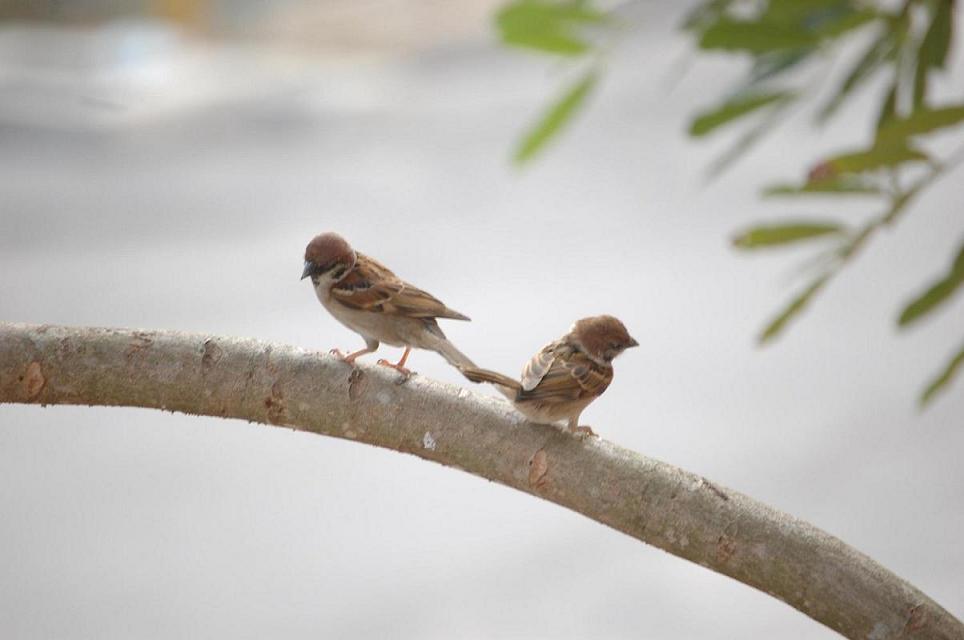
(560, 381)
(373, 302)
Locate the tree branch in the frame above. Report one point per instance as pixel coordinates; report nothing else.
(677, 511)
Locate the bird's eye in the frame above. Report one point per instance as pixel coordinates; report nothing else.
(613, 345)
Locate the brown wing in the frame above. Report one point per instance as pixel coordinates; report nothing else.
(560, 373)
(371, 286)
(537, 366)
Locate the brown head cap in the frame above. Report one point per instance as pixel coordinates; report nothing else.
(325, 252)
(602, 337)
(329, 248)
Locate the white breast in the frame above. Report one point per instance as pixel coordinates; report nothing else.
(372, 326)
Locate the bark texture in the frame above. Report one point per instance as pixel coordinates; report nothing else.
(677, 511)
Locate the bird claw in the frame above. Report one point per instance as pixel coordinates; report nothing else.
(406, 373)
(348, 358)
(583, 432)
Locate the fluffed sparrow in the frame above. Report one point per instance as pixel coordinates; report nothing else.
(366, 297)
(560, 381)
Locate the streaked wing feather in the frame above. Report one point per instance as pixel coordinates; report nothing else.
(570, 376)
(373, 287)
(538, 365)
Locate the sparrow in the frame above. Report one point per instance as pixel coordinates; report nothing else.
(560, 381)
(365, 296)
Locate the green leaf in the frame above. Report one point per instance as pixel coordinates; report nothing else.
(943, 378)
(827, 18)
(920, 83)
(754, 37)
(768, 65)
(523, 15)
(937, 40)
(875, 55)
(733, 109)
(936, 294)
(888, 108)
(747, 141)
(765, 236)
(796, 306)
(550, 27)
(846, 22)
(921, 121)
(547, 42)
(932, 53)
(839, 185)
(705, 14)
(555, 118)
(877, 157)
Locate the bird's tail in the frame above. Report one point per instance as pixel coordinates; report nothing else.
(503, 384)
(452, 355)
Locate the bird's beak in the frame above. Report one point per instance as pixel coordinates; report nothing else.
(309, 267)
(632, 342)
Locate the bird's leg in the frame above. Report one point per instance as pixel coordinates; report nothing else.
(370, 347)
(350, 358)
(400, 365)
(581, 431)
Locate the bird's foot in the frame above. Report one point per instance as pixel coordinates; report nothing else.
(406, 373)
(583, 431)
(348, 358)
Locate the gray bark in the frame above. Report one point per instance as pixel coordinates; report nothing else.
(677, 511)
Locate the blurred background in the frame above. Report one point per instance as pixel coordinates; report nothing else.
(164, 164)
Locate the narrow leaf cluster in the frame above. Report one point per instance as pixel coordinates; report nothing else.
(788, 43)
